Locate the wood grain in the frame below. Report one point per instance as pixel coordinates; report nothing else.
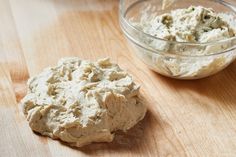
(185, 118)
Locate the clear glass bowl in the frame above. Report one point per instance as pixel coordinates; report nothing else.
(176, 61)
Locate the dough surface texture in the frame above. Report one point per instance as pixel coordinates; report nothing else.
(79, 101)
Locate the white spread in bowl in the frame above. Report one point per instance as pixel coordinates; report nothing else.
(195, 24)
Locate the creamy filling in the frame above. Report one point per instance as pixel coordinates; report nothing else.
(195, 24)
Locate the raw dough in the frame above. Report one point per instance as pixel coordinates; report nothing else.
(81, 102)
(195, 24)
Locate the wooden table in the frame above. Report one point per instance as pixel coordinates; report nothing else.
(185, 118)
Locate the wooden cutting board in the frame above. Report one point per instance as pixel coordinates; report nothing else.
(185, 118)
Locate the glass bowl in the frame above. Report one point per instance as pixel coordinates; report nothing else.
(176, 59)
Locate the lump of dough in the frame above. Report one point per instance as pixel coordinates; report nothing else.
(80, 102)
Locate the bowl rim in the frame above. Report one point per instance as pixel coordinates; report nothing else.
(123, 13)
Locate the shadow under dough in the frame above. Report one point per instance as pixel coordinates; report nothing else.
(123, 141)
